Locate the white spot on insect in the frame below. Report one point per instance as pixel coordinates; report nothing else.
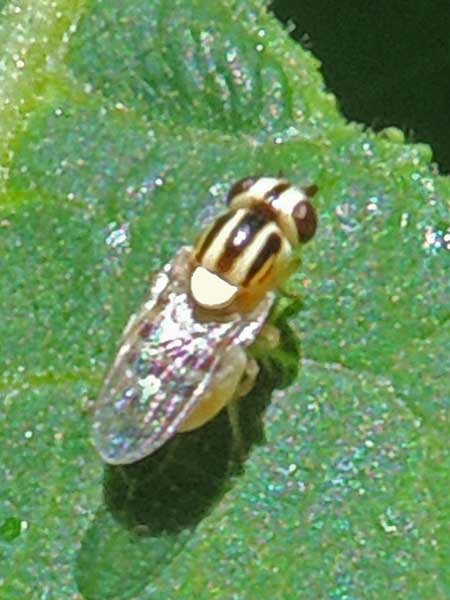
(123, 350)
(209, 289)
(147, 351)
(240, 237)
(161, 282)
(130, 323)
(149, 304)
(150, 386)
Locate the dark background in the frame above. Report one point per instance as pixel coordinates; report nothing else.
(388, 62)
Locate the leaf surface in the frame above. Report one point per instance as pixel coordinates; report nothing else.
(122, 125)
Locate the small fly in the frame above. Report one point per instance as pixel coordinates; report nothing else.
(184, 355)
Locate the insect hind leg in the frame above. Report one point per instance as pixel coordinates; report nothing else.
(246, 384)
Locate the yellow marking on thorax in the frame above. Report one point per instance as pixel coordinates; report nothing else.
(263, 185)
(215, 250)
(238, 272)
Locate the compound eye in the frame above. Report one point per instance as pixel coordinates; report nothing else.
(305, 219)
(240, 187)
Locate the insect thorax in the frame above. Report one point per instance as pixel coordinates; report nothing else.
(247, 250)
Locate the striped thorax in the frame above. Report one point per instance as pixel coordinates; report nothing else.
(249, 250)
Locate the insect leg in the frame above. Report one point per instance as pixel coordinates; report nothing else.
(246, 384)
(267, 340)
(248, 378)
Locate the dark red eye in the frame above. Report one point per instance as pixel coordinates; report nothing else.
(241, 186)
(305, 219)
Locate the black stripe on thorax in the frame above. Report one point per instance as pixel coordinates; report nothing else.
(277, 190)
(270, 248)
(240, 187)
(241, 237)
(212, 233)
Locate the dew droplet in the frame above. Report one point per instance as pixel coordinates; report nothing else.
(367, 149)
(346, 214)
(404, 220)
(118, 236)
(231, 55)
(436, 239)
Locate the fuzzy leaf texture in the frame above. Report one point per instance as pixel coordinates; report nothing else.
(122, 124)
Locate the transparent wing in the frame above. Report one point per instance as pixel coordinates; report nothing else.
(165, 365)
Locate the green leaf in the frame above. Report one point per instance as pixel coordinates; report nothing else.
(121, 127)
